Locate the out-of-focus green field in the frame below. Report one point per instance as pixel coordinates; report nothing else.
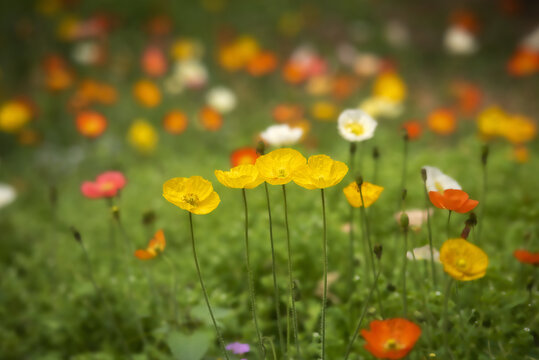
(48, 305)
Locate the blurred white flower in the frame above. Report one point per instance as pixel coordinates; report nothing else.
(438, 181)
(347, 54)
(366, 64)
(281, 135)
(7, 195)
(423, 253)
(221, 99)
(356, 125)
(460, 41)
(416, 217)
(531, 41)
(87, 53)
(191, 73)
(397, 33)
(378, 106)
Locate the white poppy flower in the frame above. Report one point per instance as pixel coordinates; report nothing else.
(438, 181)
(460, 41)
(423, 253)
(221, 99)
(7, 195)
(281, 135)
(356, 125)
(191, 73)
(87, 53)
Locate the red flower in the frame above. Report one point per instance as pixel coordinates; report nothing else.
(453, 200)
(527, 257)
(246, 155)
(106, 185)
(413, 129)
(392, 338)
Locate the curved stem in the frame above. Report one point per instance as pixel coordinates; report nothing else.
(250, 278)
(274, 272)
(290, 278)
(219, 336)
(325, 291)
(363, 313)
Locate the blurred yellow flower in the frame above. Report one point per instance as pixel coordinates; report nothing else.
(194, 194)
(320, 172)
(389, 85)
(370, 193)
(184, 49)
(463, 260)
(519, 129)
(492, 121)
(143, 136)
(279, 166)
(324, 110)
(13, 116)
(240, 177)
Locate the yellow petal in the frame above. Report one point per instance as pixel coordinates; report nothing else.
(207, 205)
(370, 192)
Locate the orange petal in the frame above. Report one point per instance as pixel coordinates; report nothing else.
(454, 199)
(158, 241)
(467, 206)
(144, 255)
(437, 199)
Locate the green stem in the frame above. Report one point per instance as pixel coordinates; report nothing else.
(483, 204)
(404, 167)
(325, 291)
(272, 346)
(351, 272)
(250, 278)
(219, 336)
(174, 289)
(290, 278)
(433, 269)
(405, 263)
(446, 319)
(363, 313)
(367, 236)
(448, 224)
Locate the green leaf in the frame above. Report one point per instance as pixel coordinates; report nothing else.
(189, 347)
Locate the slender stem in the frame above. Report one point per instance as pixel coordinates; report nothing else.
(433, 269)
(404, 167)
(272, 346)
(363, 313)
(290, 278)
(351, 272)
(274, 272)
(250, 278)
(446, 319)
(448, 224)
(483, 203)
(219, 336)
(368, 237)
(325, 291)
(405, 263)
(174, 289)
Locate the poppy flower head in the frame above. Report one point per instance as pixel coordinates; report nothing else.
(263, 63)
(147, 93)
(240, 177)
(463, 260)
(391, 338)
(194, 194)
(413, 129)
(453, 200)
(370, 193)
(526, 257)
(210, 119)
(246, 155)
(106, 185)
(155, 246)
(320, 172)
(279, 166)
(175, 122)
(442, 121)
(91, 124)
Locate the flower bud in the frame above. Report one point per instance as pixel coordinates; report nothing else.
(378, 251)
(76, 234)
(148, 217)
(375, 153)
(472, 220)
(260, 148)
(359, 181)
(404, 221)
(484, 155)
(403, 194)
(115, 210)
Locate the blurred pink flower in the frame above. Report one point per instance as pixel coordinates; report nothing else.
(416, 216)
(106, 185)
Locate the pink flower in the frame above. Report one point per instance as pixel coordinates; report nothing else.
(106, 184)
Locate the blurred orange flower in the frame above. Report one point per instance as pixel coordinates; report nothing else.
(468, 97)
(453, 200)
(442, 121)
(210, 119)
(175, 122)
(91, 124)
(243, 156)
(391, 338)
(523, 62)
(147, 93)
(466, 20)
(155, 246)
(526, 257)
(294, 73)
(285, 113)
(262, 63)
(521, 154)
(519, 129)
(343, 86)
(58, 76)
(413, 128)
(154, 62)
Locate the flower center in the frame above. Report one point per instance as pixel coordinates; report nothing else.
(191, 199)
(354, 128)
(391, 344)
(439, 186)
(107, 186)
(282, 173)
(461, 264)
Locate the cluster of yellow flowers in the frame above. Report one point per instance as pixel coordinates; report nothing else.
(494, 122)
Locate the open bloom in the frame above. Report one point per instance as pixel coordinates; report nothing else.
(238, 348)
(526, 257)
(147, 93)
(221, 99)
(463, 260)
(370, 193)
(453, 200)
(194, 194)
(14, 115)
(7, 195)
(143, 136)
(91, 124)
(155, 246)
(391, 338)
(240, 177)
(279, 166)
(175, 122)
(438, 181)
(389, 85)
(356, 125)
(246, 155)
(442, 121)
(423, 253)
(281, 135)
(460, 41)
(106, 184)
(320, 172)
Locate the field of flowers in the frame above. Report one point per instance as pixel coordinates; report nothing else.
(232, 179)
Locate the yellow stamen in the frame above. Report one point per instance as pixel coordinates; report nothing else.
(461, 263)
(354, 128)
(191, 199)
(391, 344)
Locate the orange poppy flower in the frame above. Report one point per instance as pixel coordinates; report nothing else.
(294, 73)
(523, 62)
(413, 129)
(285, 113)
(175, 122)
(468, 97)
(442, 121)
(210, 119)
(453, 200)
(147, 93)
(154, 62)
(155, 246)
(243, 156)
(263, 63)
(343, 86)
(527, 257)
(91, 124)
(466, 20)
(58, 75)
(392, 338)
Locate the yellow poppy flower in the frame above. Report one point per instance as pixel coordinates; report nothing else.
(13, 116)
(194, 194)
(370, 192)
(389, 85)
(278, 167)
(320, 172)
(143, 136)
(240, 177)
(463, 260)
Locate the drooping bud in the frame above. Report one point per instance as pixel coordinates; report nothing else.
(261, 148)
(76, 234)
(403, 194)
(472, 220)
(148, 217)
(424, 175)
(353, 147)
(375, 153)
(115, 210)
(378, 249)
(484, 155)
(359, 181)
(404, 221)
